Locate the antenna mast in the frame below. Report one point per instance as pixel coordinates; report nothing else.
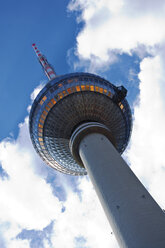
(48, 69)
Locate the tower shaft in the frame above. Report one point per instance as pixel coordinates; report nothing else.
(48, 69)
(135, 217)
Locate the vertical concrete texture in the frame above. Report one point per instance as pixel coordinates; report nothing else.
(135, 217)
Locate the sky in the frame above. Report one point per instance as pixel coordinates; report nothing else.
(120, 40)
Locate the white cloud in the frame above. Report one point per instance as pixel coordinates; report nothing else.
(35, 93)
(10, 240)
(83, 217)
(37, 90)
(27, 201)
(146, 152)
(149, 6)
(132, 75)
(21, 198)
(117, 26)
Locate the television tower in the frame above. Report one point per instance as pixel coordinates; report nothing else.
(81, 123)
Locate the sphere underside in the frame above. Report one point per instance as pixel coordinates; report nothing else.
(64, 104)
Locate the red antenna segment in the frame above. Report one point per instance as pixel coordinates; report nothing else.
(48, 69)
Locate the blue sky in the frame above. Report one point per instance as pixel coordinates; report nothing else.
(22, 23)
(121, 40)
(54, 29)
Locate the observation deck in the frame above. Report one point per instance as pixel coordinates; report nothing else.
(68, 101)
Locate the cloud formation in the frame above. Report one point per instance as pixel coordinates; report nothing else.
(146, 152)
(83, 223)
(114, 27)
(26, 199)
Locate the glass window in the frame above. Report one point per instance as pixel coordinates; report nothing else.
(44, 98)
(43, 116)
(69, 90)
(78, 88)
(50, 104)
(96, 88)
(60, 95)
(45, 113)
(47, 108)
(64, 92)
(92, 87)
(73, 89)
(87, 87)
(53, 101)
(83, 87)
(101, 90)
(109, 93)
(42, 121)
(39, 125)
(121, 106)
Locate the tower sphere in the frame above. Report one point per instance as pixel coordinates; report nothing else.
(68, 101)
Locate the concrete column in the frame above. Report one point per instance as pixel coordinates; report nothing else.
(136, 219)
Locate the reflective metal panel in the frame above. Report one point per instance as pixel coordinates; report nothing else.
(66, 102)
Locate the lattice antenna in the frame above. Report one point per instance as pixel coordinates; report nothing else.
(48, 69)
